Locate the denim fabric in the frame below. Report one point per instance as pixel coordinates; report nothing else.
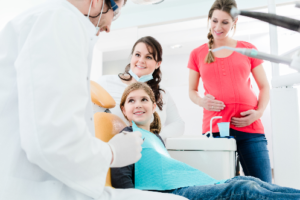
(254, 155)
(238, 188)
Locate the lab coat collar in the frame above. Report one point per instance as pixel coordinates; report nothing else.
(90, 28)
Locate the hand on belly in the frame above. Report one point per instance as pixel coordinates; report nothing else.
(247, 118)
(209, 103)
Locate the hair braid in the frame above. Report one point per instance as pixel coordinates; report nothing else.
(155, 126)
(210, 56)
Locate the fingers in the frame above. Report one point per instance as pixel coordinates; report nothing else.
(140, 140)
(213, 105)
(138, 133)
(210, 96)
(138, 157)
(216, 106)
(249, 112)
(240, 122)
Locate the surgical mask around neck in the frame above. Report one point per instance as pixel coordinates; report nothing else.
(143, 79)
(88, 16)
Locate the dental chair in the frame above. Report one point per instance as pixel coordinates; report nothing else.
(107, 125)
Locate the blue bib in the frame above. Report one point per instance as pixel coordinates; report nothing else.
(156, 170)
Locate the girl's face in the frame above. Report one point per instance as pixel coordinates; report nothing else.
(142, 61)
(221, 24)
(139, 108)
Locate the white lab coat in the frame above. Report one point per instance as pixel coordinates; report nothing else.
(47, 146)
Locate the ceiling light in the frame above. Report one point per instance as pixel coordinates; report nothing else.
(147, 2)
(176, 46)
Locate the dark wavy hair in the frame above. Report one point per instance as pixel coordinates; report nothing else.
(155, 50)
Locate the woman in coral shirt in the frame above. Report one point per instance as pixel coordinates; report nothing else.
(228, 90)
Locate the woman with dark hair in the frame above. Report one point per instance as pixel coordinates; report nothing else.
(229, 92)
(146, 58)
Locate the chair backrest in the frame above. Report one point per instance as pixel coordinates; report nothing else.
(107, 125)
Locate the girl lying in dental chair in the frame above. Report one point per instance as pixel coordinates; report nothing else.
(157, 171)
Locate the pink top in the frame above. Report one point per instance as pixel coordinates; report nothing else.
(228, 80)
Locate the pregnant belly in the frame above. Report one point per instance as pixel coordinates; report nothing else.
(231, 110)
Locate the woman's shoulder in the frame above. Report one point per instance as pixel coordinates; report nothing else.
(244, 44)
(108, 77)
(163, 90)
(111, 82)
(200, 50)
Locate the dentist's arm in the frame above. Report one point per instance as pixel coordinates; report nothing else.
(53, 91)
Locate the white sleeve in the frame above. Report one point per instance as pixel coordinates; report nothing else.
(53, 94)
(174, 125)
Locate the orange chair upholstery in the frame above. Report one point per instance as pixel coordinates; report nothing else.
(106, 124)
(101, 97)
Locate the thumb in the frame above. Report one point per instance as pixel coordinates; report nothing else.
(210, 96)
(138, 133)
(246, 113)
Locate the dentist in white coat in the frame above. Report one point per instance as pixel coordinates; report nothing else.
(47, 146)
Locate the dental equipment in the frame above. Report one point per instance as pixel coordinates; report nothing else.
(277, 20)
(210, 130)
(147, 2)
(260, 55)
(294, 63)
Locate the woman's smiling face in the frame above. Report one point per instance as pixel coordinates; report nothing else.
(221, 24)
(142, 61)
(139, 108)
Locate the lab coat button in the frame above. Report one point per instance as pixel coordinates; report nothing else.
(91, 119)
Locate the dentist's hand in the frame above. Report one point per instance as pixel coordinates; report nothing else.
(209, 103)
(126, 148)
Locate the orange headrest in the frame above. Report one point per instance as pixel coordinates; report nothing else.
(101, 97)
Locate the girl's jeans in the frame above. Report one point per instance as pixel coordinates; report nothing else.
(254, 155)
(240, 187)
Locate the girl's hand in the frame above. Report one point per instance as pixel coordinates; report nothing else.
(209, 103)
(250, 116)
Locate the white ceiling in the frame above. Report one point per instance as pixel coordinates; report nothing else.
(171, 22)
(190, 34)
(134, 15)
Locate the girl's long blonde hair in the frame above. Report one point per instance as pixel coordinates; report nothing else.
(155, 126)
(223, 5)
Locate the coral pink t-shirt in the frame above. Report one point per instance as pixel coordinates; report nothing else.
(228, 80)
